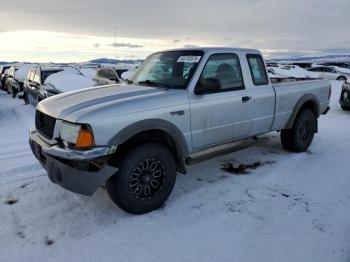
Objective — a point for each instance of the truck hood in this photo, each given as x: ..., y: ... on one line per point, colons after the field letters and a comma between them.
x: 72, y: 106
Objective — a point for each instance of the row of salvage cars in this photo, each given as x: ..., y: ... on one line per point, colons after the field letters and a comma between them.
x: 330, y: 71
x: 34, y: 83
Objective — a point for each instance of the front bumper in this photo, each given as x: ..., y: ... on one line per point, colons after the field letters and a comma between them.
x: 80, y: 172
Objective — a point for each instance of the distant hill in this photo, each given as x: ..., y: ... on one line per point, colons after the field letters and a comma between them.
x: 325, y: 58
x: 114, y: 61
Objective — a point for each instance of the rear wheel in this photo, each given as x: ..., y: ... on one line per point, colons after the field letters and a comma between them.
x: 345, y: 108
x: 145, y: 179
x: 300, y: 136
x: 341, y: 78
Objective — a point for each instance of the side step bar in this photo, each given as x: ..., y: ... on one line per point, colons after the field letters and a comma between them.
x: 219, y: 151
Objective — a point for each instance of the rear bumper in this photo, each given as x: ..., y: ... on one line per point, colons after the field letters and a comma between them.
x: 82, y: 176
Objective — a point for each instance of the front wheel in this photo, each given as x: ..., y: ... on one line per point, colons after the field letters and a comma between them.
x: 341, y: 78
x: 300, y: 136
x: 145, y: 179
x: 14, y: 92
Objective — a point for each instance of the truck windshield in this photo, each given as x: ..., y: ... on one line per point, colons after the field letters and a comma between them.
x: 171, y: 69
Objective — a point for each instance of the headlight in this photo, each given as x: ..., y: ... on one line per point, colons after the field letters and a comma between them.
x: 69, y: 132
x: 76, y: 135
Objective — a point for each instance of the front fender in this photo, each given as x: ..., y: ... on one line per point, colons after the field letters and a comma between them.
x: 173, y: 131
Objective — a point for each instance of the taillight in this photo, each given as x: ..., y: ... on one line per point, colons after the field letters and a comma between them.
x: 330, y: 92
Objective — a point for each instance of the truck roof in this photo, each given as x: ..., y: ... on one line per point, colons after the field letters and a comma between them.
x: 218, y: 49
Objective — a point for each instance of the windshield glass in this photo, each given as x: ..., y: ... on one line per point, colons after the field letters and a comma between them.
x: 172, y: 69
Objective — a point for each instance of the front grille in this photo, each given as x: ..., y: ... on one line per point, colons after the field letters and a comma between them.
x: 45, y: 124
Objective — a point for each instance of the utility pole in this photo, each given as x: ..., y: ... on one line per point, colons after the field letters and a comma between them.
x: 115, y: 45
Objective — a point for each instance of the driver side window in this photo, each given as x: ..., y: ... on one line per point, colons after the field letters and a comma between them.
x: 221, y: 73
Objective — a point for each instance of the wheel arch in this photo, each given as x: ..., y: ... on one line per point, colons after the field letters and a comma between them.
x: 153, y: 130
x: 342, y: 77
x: 308, y: 101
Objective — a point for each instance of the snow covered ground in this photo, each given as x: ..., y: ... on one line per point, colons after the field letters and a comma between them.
x: 295, y: 207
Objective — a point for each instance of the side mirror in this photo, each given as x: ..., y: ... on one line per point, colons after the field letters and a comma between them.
x: 207, y: 86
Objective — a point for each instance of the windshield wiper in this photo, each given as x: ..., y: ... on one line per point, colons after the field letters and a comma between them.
x: 153, y: 84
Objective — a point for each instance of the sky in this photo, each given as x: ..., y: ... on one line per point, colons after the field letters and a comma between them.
x: 81, y: 30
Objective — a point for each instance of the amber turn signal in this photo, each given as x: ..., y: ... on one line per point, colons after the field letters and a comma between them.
x: 85, y: 139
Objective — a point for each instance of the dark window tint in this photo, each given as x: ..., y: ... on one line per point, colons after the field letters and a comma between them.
x: 121, y: 71
x: 46, y: 74
x: 221, y: 73
x: 112, y: 75
x: 328, y: 70
x: 257, y: 70
x: 104, y: 73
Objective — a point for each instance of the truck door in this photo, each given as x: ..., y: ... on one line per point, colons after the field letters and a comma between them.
x: 262, y: 93
x: 220, y: 106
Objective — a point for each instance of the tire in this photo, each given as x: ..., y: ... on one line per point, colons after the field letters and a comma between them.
x: 25, y: 97
x: 14, y: 92
x: 300, y: 136
x: 145, y: 179
x: 341, y: 78
x: 345, y: 108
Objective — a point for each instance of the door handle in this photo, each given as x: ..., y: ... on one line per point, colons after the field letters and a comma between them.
x: 245, y: 99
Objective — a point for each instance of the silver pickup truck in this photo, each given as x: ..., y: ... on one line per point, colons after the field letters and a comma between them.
x: 179, y: 106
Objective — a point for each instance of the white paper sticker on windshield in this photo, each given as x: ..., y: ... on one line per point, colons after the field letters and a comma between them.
x: 189, y: 59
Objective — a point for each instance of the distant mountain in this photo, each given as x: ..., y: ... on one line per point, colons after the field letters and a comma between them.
x: 115, y: 61
x: 4, y: 62
x: 324, y: 58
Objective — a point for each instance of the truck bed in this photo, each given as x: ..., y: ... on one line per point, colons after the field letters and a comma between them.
x: 289, y: 93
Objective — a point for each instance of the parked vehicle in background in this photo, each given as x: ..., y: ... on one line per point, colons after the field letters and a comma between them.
x: 16, y: 83
x: 3, y: 72
x: 330, y: 72
x: 10, y: 78
x: 272, y: 64
x: 288, y: 67
x: 90, y: 70
x: 128, y: 74
x: 304, y: 65
x: 180, y: 107
x: 109, y: 76
x: 292, y: 72
x: 345, y: 96
x: 338, y: 64
x: 43, y: 82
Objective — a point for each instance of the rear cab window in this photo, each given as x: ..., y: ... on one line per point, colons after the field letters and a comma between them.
x: 257, y: 69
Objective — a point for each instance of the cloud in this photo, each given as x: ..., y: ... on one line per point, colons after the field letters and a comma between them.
x: 128, y: 45
x: 263, y: 24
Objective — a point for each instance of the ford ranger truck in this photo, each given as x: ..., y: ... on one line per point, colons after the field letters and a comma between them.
x: 179, y: 105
